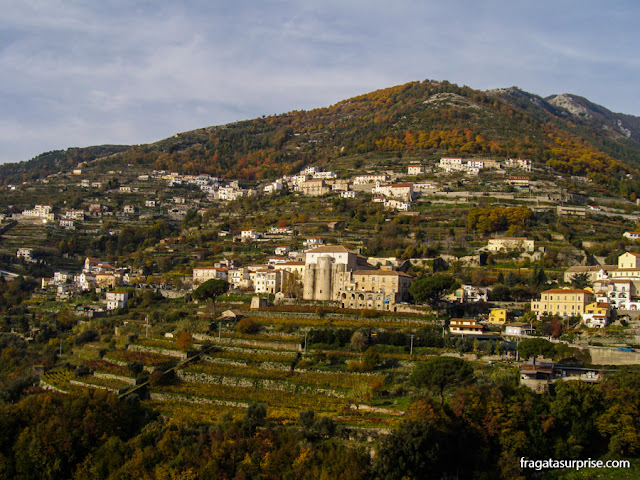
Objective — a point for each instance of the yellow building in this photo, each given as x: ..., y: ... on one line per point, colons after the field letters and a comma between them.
x: 498, y: 315
x: 564, y: 302
x: 596, y: 314
x: 108, y: 280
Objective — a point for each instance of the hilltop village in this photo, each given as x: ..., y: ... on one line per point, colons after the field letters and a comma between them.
x: 204, y: 299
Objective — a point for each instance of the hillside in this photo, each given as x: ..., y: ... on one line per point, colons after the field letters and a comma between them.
x: 55, y: 161
x: 566, y: 132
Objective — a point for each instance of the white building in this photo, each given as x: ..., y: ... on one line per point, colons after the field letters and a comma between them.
x: 506, y: 244
x: 402, y: 191
x: 202, y: 274
x: 68, y: 224
x: 372, y: 178
x: 247, y: 235
x: 25, y: 254
x: 415, y: 170
x: 117, y: 300
x: 521, y: 163
x: 273, y: 187
x: 240, y: 278
x: 465, y: 326
x: 313, y: 242
x: 284, y: 250
x: 42, y: 212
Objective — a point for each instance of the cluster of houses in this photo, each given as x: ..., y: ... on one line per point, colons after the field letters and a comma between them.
x: 475, y: 166
x: 614, y: 290
x: 96, y: 275
x: 323, y: 273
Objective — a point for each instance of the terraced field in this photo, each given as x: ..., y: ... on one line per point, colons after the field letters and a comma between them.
x: 219, y: 374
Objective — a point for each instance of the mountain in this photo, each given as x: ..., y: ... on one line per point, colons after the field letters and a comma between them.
x: 55, y: 161
x: 426, y: 119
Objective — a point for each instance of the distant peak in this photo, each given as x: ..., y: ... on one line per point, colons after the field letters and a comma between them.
x: 570, y: 103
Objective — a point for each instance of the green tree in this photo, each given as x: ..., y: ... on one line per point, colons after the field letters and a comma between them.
x: 431, y: 290
x: 510, y: 280
x: 440, y: 373
x: 581, y: 280
x: 210, y: 290
x: 534, y: 347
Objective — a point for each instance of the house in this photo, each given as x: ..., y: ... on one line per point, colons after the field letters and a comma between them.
x: 231, y: 315
x: 248, y: 235
x: 564, y: 302
x: 629, y: 260
x: 506, y: 244
x: 498, y: 315
x: 108, y: 280
x: 325, y: 175
x: 273, y: 187
x: 462, y: 326
x: 280, y: 231
x: 117, y: 300
x: 26, y: 254
x: 469, y: 294
x: 202, y: 274
x: 397, y: 205
x: 313, y: 242
x: 571, y: 211
x: 149, y: 203
x: 129, y: 209
x: 518, y: 329
x: 373, y: 178
x: 617, y: 293
x: 315, y: 188
x: 519, y: 181
x: 74, y: 215
x: 240, y: 278
x: 595, y: 272
x: 348, y: 194
x: 291, y: 266
x: 520, y: 163
x: 402, y: 191
x: 449, y: 164
x: 596, y: 314
x: 282, y: 250
x: 540, y: 375
x: 379, y: 289
x: 68, y: 224
x: 42, y: 212
x: 631, y: 235
x: 415, y: 170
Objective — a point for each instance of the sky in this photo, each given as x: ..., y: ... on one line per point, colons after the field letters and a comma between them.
x: 80, y: 73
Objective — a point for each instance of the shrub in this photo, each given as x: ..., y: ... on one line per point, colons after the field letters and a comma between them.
x: 86, y: 337
x: 247, y: 325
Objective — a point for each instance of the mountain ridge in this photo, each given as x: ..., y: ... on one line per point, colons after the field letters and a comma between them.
x: 429, y: 118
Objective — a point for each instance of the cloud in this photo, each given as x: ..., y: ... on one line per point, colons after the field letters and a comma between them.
x: 78, y: 73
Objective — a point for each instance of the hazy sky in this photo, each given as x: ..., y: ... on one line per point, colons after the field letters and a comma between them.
x: 85, y: 73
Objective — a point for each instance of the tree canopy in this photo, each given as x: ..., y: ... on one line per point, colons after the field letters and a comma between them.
x: 431, y: 290
x: 440, y: 373
x: 534, y: 347
x: 211, y: 289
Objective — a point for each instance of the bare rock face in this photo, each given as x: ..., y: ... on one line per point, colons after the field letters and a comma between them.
x: 569, y: 103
